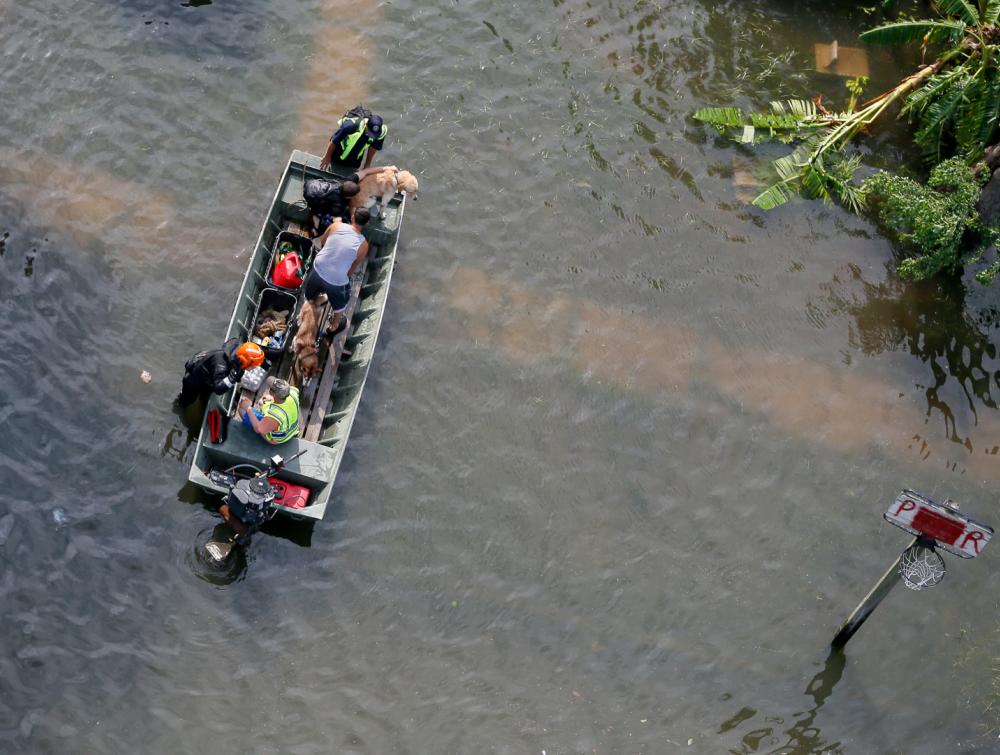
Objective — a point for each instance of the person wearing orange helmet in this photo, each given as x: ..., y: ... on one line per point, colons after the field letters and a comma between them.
x: 218, y: 371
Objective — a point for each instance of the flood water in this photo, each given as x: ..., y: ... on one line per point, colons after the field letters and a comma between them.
x: 619, y: 469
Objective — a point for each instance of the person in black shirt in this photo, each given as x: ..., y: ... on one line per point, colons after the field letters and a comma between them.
x: 217, y: 371
x: 355, y: 141
x: 336, y: 204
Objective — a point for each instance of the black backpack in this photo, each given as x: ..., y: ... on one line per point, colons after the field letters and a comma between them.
x: 321, y: 195
x: 358, y: 111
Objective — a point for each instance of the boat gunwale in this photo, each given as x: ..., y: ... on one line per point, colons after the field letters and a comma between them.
x: 389, y: 260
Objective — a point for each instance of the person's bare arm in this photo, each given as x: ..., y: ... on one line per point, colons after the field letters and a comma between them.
x: 371, y: 156
x: 364, y: 172
x: 260, y: 426
x: 263, y: 426
x: 324, y: 164
x: 360, y: 259
x: 232, y: 520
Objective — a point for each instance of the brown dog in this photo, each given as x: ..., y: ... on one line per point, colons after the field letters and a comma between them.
x: 306, y: 364
x: 384, y: 184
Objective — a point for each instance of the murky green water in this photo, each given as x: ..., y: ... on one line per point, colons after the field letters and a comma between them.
x: 622, y: 458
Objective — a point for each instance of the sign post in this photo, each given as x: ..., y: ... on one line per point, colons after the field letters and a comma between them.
x: 933, y: 524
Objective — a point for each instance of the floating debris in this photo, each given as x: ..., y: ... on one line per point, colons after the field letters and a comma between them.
x: 145, y: 376
x: 851, y: 62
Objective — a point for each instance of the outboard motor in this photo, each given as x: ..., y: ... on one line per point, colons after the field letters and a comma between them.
x: 250, y: 501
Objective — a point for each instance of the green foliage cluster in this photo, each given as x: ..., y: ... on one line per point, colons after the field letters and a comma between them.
x: 931, y: 221
x: 817, y: 165
x: 955, y: 105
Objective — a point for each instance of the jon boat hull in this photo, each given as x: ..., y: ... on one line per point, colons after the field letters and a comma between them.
x: 329, y: 406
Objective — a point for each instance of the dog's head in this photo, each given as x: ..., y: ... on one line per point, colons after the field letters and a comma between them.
x: 310, y: 367
x: 406, y: 183
x: 307, y: 362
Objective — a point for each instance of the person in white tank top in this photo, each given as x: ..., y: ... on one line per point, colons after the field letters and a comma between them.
x: 343, y: 249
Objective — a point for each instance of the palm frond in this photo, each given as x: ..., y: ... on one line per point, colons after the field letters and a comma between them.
x: 853, y: 197
x: 815, y: 181
x: 721, y: 117
x: 798, y: 108
x: 978, y: 119
x: 777, y: 122
x: 991, y: 107
x: 936, y: 117
x: 990, y: 12
x: 790, y: 167
x: 898, y: 32
x: 830, y: 178
x: 773, y: 196
x: 786, y: 121
x: 961, y: 9
x: 935, y: 86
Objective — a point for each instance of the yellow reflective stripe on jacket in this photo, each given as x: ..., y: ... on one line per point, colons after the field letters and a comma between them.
x: 287, y: 415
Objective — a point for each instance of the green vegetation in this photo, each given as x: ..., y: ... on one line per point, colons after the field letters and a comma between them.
x: 954, y: 103
x: 957, y: 106
x: 931, y: 221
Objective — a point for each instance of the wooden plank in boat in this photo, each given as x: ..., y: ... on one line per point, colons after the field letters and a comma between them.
x: 328, y: 381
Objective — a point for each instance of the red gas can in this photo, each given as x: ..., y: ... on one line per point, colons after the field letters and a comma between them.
x: 287, y: 271
x: 290, y: 495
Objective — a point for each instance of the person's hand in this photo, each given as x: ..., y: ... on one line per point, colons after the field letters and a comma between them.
x: 244, y: 405
x: 324, y: 165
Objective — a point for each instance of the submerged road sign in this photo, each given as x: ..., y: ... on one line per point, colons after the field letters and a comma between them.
x: 932, y: 525
x: 950, y: 529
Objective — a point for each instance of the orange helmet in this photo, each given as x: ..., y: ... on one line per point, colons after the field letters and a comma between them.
x: 250, y: 355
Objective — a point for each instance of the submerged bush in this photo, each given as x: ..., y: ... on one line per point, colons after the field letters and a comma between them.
x: 931, y: 221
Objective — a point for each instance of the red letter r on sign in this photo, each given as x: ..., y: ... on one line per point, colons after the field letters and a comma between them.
x: 975, y: 537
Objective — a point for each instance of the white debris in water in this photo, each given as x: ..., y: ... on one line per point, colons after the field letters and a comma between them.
x: 145, y: 376
x: 59, y: 516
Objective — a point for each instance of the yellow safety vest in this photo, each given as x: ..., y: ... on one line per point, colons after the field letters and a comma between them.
x: 352, y: 139
x: 287, y: 415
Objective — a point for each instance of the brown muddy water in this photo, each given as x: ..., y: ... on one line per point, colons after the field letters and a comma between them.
x: 619, y: 470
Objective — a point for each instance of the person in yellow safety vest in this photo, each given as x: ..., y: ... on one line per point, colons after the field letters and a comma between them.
x: 355, y: 141
x: 277, y: 419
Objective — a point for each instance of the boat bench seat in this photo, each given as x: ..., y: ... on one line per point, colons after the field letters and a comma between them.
x: 314, y: 469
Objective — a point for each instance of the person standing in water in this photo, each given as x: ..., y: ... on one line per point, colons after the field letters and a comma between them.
x: 217, y: 371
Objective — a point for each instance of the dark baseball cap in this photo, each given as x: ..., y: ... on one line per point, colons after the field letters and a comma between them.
x: 375, y: 125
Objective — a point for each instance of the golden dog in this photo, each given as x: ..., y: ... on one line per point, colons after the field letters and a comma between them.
x: 383, y: 185
x: 306, y: 364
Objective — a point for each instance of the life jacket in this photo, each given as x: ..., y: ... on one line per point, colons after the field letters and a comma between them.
x: 287, y: 415
x: 357, y: 140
